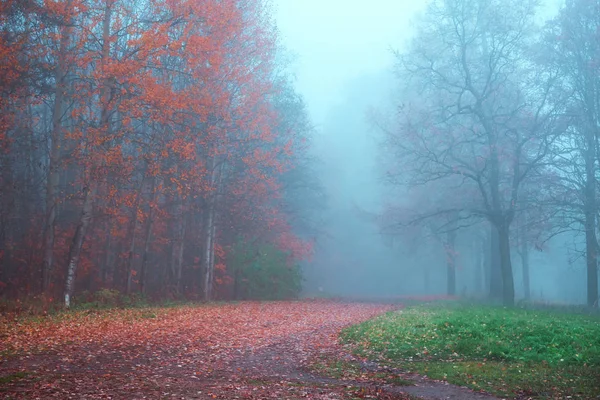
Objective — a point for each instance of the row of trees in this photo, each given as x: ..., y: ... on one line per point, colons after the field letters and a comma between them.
x: 140, y: 139
x: 498, y: 130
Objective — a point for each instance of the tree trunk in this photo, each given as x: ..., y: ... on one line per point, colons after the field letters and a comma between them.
x: 6, y: 225
x: 90, y: 190
x: 131, y: 252
x: 144, y: 267
x: 236, y: 283
x: 496, y: 283
x: 177, y: 250
x: 77, y: 244
x: 147, y: 239
x: 486, y: 245
x: 479, y: 267
x: 210, y: 230
x: 591, y: 258
x: 107, y: 256
x: 591, y: 242
x: 451, y: 263
x: 53, y: 175
x: 208, y: 246
x: 212, y: 254
x: 525, y: 264
x: 508, y: 287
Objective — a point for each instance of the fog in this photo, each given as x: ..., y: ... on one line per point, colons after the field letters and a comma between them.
x: 264, y: 149
x: 345, y: 68
x: 336, y: 41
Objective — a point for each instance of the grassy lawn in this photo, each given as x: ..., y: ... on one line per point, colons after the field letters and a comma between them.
x: 508, y: 352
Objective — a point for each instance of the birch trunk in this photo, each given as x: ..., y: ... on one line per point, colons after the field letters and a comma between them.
x: 77, y: 244
x: 210, y: 231
x: 90, y: 190
x: 53, y: 174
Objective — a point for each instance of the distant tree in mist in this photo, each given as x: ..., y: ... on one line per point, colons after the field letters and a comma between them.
x: 477, y: 118
x: 571, y: 45
x: 428, y: 214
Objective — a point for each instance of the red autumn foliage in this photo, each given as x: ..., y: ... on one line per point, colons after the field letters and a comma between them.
x: 160, y: 140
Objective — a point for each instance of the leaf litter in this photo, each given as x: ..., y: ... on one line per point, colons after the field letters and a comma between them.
x: 248, y: 350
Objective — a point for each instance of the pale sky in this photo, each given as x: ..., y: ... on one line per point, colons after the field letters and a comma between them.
x: 336, y: 40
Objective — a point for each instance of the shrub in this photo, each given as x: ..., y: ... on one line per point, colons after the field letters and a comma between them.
x: 263, y: 272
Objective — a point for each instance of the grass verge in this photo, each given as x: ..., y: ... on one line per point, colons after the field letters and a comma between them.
x: 507, y: 352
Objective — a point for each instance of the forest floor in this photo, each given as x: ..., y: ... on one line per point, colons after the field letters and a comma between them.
x: 517, y: 353
x: 247, y: 350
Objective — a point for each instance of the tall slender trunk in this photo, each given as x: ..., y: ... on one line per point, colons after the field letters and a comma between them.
x: 496, y: 283
x: 147, y: 239
x: 451, y: 263
x: 500, y: 252
x: 144, y: 267
x: 590, y: 207
x: 6, y: 225
x: 107, y: 256
x: 178, y: 246
x: 208, y: 246
x: 77, y: 244
x: 486, y: 243
x: 236, y: 283
x: 210, y: 230
x: 131, y: 251
x: 479, y: 267
x: 91, y: 188
x: 53, y: 174
x: 508, y: 286
x: 525, y: 263
x: 179, y: 255
x: 212, y: 254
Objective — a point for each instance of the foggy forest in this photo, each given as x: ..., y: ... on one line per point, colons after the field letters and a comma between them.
x: 227, y: 173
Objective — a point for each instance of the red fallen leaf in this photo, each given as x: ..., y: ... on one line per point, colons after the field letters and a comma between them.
x: 203, y: 340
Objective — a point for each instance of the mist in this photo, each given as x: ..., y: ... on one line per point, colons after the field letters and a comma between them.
x: 346, y: 68
x: 300, y: 199
x: 288, y: 148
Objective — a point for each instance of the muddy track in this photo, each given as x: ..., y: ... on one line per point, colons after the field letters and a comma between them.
x: 289, y: 359
x: 254, y: 351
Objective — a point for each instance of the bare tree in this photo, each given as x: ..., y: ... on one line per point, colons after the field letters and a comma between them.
x: 479, y: 114
x: 572, y: 45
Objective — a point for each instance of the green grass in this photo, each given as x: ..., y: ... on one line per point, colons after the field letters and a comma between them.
x: 16, y: 376
x: 336, y: 369
x: 508, y: 352
x: 349, y: 370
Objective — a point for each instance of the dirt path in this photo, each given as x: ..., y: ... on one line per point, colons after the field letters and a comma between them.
x: 241, y: 351
x: 290, y: 360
